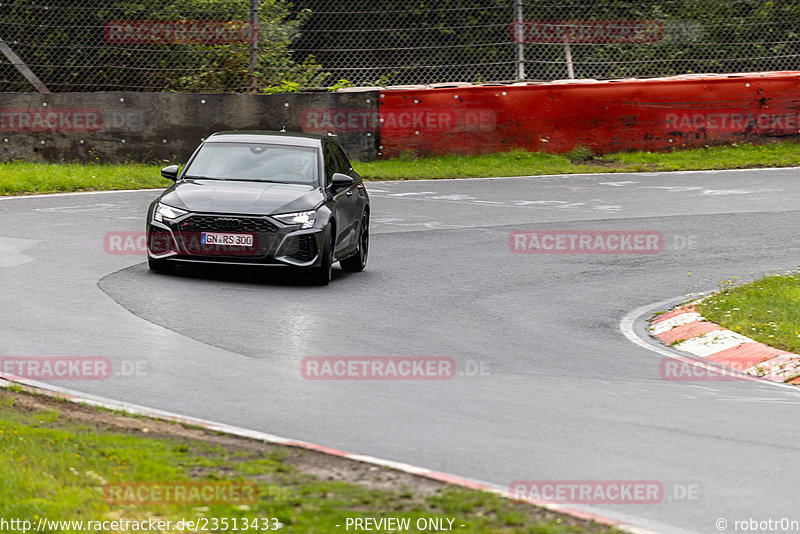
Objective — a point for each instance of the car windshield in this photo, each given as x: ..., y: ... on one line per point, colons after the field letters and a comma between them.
x: 257, y: 162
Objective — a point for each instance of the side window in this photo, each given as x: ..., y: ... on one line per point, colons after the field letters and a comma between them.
x: 331, y: 165
x: 344, y: 163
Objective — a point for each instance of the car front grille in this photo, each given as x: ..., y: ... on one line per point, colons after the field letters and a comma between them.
x: 215, y: 223
x: 193, y: 227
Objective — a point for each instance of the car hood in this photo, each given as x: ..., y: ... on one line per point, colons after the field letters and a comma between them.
x: 243, y: 198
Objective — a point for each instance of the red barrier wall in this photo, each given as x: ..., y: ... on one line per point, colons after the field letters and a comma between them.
x: 608, y: 116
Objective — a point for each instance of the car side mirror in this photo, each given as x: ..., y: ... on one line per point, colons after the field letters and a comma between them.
x: 341, y: 180
x: 171, y: 172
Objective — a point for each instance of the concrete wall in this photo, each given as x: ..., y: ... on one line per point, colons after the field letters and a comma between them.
x: 130, y: 126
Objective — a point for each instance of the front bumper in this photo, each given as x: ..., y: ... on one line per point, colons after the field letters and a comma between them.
x: 273, y: 242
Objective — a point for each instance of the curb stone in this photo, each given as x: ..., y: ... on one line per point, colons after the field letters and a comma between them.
x: 688, y: 331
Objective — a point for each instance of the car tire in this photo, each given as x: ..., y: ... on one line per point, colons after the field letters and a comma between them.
x: 358, y: 261
x: 159, y: 266
x: 322, y: 274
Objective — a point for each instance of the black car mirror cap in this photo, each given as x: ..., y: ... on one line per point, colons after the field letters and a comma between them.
x: 341, y: 180
x: 171, y: 172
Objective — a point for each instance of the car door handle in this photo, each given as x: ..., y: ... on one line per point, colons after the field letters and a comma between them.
x: 349, y: 193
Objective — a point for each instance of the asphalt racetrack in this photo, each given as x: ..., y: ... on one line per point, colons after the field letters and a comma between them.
x: 547, y: 385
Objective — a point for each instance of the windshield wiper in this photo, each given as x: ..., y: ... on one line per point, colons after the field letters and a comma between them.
x: 257, y: 180
x: 253, y: 180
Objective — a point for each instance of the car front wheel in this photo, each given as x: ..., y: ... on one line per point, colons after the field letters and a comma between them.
x: 358, y: 261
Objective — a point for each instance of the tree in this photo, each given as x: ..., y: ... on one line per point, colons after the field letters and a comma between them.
x: 183, y: 45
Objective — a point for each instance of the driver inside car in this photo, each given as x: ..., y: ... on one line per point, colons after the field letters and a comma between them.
x: 303, y: 165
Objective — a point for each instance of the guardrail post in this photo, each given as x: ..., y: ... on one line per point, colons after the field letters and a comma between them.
x: 253, y: 45
x: 520, y: 34
x: 568, y: 56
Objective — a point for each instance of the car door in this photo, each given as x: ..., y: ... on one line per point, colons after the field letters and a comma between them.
x: 341, y: 200
x: 351, y: 198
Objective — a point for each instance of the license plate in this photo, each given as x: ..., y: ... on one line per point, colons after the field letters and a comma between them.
x: 231, y: 240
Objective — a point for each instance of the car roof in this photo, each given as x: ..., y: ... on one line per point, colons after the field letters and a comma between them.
x: 264, y: 136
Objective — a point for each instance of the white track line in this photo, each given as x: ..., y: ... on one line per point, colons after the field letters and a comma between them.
x: 76, y: 193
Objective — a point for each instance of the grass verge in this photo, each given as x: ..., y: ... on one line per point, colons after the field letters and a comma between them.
x: 58, y: 458
x: 27, y: 177
x: 764, y: 310
x: 522, y: 163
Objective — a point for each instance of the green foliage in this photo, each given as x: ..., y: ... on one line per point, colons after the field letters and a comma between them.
x: 386, y: 42
x: 341, y: 84
x: 284, y: 87
x: 451, y: 40
x: 308, y: 74
x: 408, y: 42
x: 227, y: 67
x: 580, y: 154
x: 70, y: 52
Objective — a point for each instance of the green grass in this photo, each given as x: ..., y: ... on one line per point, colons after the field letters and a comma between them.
x: 27, y: 177
x: 766, y: 310
x: 55, y: 467
x: 741, y: 156
x: 513, y: 163
x: 522, y: 163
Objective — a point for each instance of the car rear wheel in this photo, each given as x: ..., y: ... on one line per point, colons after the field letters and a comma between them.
x: 358, y: 261
x: 322, y: 275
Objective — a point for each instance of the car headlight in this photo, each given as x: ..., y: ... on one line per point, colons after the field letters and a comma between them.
x: 167, y: 212
x: 304, y: 218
